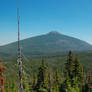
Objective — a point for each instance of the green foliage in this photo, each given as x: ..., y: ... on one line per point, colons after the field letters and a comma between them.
x: 25, y: 83
x: 75, y: 85
x: 78, y: 73
x: 11, y: 86
x: 69, y: 66
x: 42, y: 79
x: 66, y: 87
x: 57, y: 81
x: 34, y: 81
x: 38, y: 79
x: 75, y: 74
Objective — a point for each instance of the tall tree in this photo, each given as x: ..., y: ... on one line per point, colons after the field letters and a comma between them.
x: 50, y: 80
x: 69, y: 66
x: 75, y: 74
x: 57, y: 81
x: 75, y: 85
x: 78, y: 73
x: 78, y: 70
x: 42, y: 79
x: 66, y: 86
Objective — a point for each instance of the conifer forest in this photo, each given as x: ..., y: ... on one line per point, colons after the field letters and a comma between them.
x: 40, y: 76
x: 45, y: 45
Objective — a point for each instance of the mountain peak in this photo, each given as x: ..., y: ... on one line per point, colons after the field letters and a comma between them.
x: 53, y: 42
x: 53, y: 32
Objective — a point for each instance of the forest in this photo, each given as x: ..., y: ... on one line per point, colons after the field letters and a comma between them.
x: 45, y: 45
x: 41, y: 75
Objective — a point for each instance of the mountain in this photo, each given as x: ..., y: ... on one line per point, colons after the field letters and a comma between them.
x: 49, y: 43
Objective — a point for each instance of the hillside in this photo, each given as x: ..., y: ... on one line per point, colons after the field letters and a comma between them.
x: 49, y: 43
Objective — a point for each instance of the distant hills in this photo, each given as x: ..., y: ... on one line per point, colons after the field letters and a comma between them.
x: 48, y: 43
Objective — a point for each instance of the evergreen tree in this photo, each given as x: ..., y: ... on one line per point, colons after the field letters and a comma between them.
x: 74, y: 73
x: 69, y: 66
x: 66, y: 87
x: 78, y: 70
x: 50, y: 81
x: 78, y: 73
x: 42, y: 79
x: 57, y: 81
x: 75, y: 85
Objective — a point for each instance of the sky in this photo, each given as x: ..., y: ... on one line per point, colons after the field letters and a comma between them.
x: 37, y: 17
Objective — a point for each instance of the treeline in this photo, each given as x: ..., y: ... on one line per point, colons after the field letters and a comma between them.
x: 72, y: 79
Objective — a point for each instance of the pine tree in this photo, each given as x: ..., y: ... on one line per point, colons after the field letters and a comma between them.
x: 50, y: 81
x: 78, y: 73
x: 66, y: 87
x: 57, y: 81
x: 75, y: 74
x: 78, y: 70
x: 69, y: 66
x: 42, y: 79
x: 75, y: 85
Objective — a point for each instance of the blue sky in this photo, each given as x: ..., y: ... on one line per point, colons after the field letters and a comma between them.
x: 69, y: 17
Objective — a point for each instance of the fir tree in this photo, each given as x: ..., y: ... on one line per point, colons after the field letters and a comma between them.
x: 78, y: 70
x: 74, y: 73
x: 50, y: 81
x: 75, y: 85
x: 78, y: 73
x: 42, y: 79
x: 57, y: 81
x: 66, y: 87
x: 69, y: 66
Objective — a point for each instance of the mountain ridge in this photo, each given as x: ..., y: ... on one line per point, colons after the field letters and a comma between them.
x: 50, y: 42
